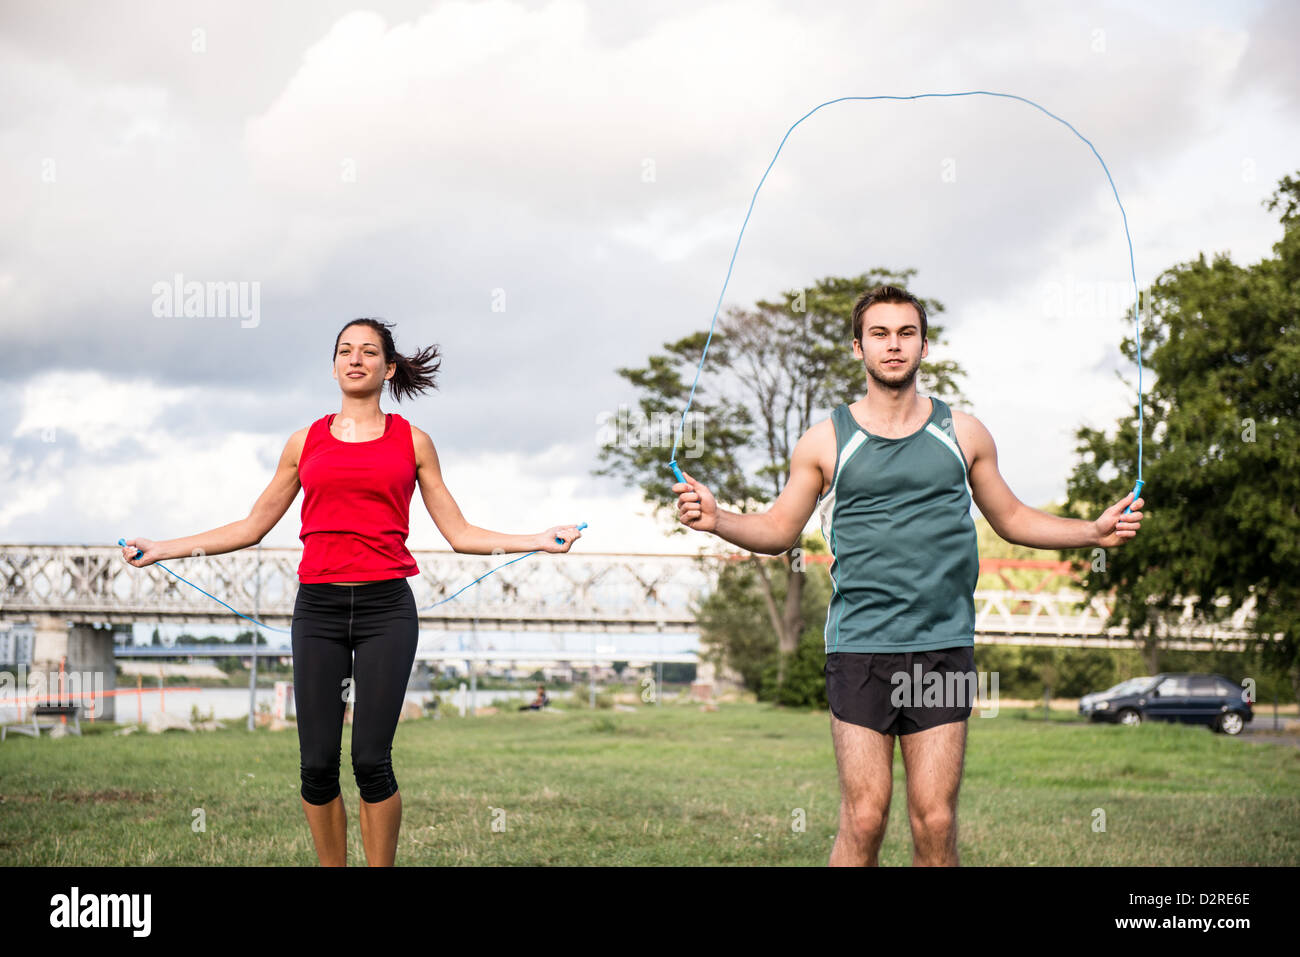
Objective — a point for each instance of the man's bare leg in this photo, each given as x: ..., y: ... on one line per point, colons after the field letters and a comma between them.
x: 865, y: 760
x: 934, y: 760
x: 329, y: 829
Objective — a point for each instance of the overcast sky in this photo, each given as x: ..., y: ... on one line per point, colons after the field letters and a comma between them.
x: 593, y: 161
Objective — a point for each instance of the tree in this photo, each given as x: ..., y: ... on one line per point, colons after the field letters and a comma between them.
x: 248, y: 637
x: 1221, y: 454
x: 769, y: 374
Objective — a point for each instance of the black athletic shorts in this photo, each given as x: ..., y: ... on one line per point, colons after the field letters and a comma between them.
x: 891, y: 692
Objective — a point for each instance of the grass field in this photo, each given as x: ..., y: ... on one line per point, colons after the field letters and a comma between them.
x: 668, y: 785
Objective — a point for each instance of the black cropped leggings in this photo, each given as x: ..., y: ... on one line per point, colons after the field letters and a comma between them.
x: 351, y: 642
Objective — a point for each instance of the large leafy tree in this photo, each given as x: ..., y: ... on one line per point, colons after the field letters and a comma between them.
x: 1221, y: 452
x: 771, y: 372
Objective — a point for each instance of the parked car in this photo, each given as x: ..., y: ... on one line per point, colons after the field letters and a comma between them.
x: 1184, y: 698
x: 1088, y: 703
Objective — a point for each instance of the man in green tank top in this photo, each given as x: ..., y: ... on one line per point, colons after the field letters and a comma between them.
x: 892, y: 477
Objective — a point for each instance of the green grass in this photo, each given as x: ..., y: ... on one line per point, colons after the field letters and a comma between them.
x: 668, y: 785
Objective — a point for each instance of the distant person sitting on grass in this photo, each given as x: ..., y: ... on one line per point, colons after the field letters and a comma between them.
x: 540, y: 702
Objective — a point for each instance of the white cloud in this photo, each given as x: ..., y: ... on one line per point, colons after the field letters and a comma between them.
x: 97, y: 411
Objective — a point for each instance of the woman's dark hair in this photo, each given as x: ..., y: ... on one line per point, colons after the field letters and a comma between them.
x: 414, y: 373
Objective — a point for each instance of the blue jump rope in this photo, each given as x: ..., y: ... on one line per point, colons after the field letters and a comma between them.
x: 139, y: 552
x: 1137, y: 488
x: 677, y: 472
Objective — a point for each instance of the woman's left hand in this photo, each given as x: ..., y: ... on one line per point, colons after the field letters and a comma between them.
x: 569, y: 533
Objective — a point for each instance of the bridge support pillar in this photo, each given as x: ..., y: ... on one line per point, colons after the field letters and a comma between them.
x: 89, y: 669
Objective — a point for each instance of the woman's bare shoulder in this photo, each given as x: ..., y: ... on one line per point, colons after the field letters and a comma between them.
x: 293, y: 448
x: 425, y: 453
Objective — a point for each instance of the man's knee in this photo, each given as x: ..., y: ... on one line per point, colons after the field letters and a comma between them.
x: 934, y: 819
x: 865, y: 820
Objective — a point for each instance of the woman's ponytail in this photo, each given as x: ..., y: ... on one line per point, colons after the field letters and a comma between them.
x: 415, y: 373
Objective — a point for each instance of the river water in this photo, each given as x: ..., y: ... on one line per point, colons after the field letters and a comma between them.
x: 233, y: 702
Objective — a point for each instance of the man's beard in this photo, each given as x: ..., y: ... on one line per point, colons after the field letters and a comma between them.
x: 899, y: 383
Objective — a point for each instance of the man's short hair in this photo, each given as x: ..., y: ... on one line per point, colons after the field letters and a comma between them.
x: 886, y: 294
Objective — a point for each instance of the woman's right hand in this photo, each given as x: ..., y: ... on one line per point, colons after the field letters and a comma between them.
x: 134, y: 545
x: 696, y: 507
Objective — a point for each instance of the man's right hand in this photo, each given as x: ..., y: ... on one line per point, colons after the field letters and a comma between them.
x: 696, y: 507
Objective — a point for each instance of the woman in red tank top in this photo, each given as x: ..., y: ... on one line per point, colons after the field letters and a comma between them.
x: 355, y: 622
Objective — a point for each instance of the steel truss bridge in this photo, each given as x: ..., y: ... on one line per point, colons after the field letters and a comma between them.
x: 598, y: 593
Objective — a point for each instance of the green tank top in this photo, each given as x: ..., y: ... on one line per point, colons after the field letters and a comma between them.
x: 902, y: 540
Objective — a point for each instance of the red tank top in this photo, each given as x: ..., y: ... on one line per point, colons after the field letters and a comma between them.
x: 356, y: 504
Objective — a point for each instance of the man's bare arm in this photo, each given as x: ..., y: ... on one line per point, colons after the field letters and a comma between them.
x: 1012, y: 519
x: 1020, y: 524
x: 767, y: 533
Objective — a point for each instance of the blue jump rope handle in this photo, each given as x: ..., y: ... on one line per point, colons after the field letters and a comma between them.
x: 1137, y: 491
x: 560, y: 541
x: 678, y: 472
